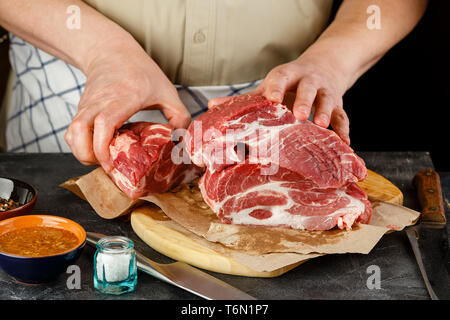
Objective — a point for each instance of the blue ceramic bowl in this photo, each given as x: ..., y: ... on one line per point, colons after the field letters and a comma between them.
x: 36, y: 270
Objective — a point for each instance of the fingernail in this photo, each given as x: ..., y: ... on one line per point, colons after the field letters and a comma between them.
x: 276, y: 95
x: 300, y: 113
x: 108, y: 167
x: 323, y: 120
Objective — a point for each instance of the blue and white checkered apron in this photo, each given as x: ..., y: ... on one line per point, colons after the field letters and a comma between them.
x: 47, y: 90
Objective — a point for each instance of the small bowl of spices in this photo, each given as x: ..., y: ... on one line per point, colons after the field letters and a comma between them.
x: 16, y: 198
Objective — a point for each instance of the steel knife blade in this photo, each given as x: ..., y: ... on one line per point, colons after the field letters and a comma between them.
x: 184, y: 276
x: 429, y: 238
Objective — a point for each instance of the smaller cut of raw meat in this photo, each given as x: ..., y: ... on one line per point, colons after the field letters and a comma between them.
x: 141, y: 155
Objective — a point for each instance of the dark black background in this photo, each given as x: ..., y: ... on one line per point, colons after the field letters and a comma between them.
x: 402, y: 102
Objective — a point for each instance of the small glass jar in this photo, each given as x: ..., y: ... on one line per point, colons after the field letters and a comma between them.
x: 115, y: 270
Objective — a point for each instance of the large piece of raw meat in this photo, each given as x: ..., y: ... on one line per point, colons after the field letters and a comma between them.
x: 263, y: 167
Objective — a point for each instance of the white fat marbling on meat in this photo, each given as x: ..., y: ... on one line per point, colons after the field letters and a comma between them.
x: 280, y: 215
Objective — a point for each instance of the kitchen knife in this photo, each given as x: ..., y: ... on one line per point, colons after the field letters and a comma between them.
x: 183, y: 276
x: 429, y: 238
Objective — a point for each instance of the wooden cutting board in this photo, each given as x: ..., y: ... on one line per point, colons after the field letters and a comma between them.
x: 146, y: 222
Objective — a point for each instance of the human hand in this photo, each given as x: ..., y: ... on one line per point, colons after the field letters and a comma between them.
x: 315, y: 83
x: 119, y: 84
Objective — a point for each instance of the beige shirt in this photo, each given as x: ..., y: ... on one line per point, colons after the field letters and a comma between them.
x: 216, y: 42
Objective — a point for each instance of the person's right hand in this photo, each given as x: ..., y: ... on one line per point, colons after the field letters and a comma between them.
x: 118, y: 85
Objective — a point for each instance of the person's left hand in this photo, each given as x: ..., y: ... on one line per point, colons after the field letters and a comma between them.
x: 315, y: 83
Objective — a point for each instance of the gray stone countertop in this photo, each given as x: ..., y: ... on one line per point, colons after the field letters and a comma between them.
x: 329, y: 277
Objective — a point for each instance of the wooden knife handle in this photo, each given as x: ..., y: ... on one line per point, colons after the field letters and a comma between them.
x: 429, y: 192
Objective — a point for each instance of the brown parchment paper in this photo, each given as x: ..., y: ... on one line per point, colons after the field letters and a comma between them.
x: 261, y: 263
x: 252, y: 246
x: 102, y: 194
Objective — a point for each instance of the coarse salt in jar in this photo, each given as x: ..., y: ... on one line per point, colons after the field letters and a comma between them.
x: 115, y: 270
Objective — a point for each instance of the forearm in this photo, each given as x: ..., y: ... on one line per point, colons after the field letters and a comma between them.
x: 43, y: 24
x: 352, y: 48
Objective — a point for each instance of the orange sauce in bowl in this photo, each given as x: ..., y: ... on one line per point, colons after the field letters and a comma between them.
x: 37, y: 241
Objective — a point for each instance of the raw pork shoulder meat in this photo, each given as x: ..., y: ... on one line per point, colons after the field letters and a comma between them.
x: 316, y: 153
x: 312, y: 187
x: 141, y: 156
